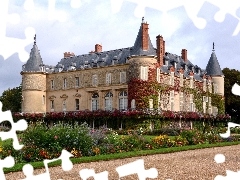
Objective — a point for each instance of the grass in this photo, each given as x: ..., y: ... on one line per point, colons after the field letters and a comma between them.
x: 37, y: 165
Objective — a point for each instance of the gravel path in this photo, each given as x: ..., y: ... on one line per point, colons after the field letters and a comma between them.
x: 194, y: 164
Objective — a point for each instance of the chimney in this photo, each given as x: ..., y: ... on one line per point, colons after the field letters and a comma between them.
x: 160, y: 49
x: 98, y: 48
x: 144, y: 36
x: 68, y: 54
x: 184, y: 54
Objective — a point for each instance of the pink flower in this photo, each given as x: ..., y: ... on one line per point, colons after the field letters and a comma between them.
x: 55, y: 137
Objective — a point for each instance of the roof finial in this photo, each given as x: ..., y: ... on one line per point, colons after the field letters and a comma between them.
x: 142, y: 19
x: 35, y: 39
x: 213, y: 46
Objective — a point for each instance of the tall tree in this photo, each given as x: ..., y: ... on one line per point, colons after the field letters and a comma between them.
x: 232, y: 102
x: 11, y: 99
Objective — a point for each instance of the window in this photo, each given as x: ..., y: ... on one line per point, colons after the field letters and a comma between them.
x: 215, y: 88
x: 181, y: 101
x: 52, y: 84
x: 108, y: 78
x: 64, y: 83
x: 43, y: 99
x: 172, y: 100
x: 94, y: 80
x: 166, y: 62
x: 181, y: 79
x: 108, y: 101
x: 191, y: 81
x: 77, y: 81
x: 51, y: 104
x: 204, y: 85
x: 209, y: 105
x: 64, y: 105
x: 133, y: 104
x: 77, y: 104
x: 150, y: 103
x: 122, y: 77
x: 172, y: 79
x: 192, y: 105
x: 95, y: 101
x: 158, y: 75
x: 123, y: 101
x: 144, y: 73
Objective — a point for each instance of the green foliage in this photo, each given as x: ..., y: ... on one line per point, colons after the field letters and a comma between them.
x: 12, y: 99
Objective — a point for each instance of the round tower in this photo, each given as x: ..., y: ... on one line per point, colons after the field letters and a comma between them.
x: 213, y: 69
x: 34, y: 83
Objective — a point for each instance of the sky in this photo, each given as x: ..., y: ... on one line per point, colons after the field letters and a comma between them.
x: 77, y: 25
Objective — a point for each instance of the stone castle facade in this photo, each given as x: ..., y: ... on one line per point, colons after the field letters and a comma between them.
x: 101, y: 79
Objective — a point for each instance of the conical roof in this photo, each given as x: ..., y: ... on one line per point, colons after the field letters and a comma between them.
x: 35, y: 59
x: 213, y: 67
x: 137, y: 48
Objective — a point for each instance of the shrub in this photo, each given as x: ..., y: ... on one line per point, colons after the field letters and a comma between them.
x: 163, y: 141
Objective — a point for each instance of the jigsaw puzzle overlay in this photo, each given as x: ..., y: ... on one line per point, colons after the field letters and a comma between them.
x: 11, y: 45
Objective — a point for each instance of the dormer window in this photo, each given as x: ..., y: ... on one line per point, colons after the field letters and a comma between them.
x: 175, y: 65
x: 186, y: 68
x: 166, y: 62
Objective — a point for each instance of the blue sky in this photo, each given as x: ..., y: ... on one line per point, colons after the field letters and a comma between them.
x: 80, y: 24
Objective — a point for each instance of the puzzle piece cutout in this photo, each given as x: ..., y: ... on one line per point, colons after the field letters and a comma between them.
x: 66, y: 166
x: 11, y: 45
x: 7, y: 162
x: 21, y: 125
x: 87, y: 173
x: 192, y: 8
x: 137, y: 167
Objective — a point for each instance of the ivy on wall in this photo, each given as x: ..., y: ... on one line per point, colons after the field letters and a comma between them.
x: 144, y: 90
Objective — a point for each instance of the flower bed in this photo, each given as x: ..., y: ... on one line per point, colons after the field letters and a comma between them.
x: 41, y: 142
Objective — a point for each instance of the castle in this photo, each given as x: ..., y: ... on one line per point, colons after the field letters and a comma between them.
x: 105, y: 80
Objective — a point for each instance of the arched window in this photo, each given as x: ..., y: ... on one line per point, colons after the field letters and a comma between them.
x: 123, y: 100
x: 108, y: 101
x: 95, y: 101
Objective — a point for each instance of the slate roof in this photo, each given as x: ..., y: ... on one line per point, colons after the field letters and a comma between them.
x: 213, y: 67
x: 119, y: 56
x: 34, y: 62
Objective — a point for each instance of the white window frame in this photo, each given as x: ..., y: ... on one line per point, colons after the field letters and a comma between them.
x: 181, y: 101
x: 123, y: 77
x: 144, y: 73
x: 108, y: 101
x: 192, y: 105
x: 94, y: 80
x: 150, y: 103
x: 171, y: 100
x: 133, y: 104
x: 109, y: 78
x: 95, y: 102
x: 123, y: 100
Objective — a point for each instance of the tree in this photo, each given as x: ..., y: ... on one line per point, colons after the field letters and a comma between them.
x: 232, y: 102
x: 11, y: 99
